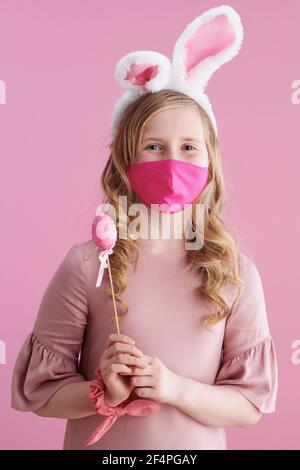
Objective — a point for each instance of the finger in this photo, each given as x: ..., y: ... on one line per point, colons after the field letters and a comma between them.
x: 116, y: 369
x: 148, y: 370
x: 144, y: 381
x: 116, y: 348
x: 118, y: 337
x: 148, y: 358
x: 128, y: 359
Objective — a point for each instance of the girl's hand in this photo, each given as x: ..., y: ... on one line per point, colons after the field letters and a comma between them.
x: 155, y: 382
x: 119, y: 356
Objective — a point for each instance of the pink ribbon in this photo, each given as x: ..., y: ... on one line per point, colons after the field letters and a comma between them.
x: 139, y: 407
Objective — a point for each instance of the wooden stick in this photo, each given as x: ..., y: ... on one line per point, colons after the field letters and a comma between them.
x: 113, y: 293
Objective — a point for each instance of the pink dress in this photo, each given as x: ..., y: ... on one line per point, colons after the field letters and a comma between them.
x: 164, y: 317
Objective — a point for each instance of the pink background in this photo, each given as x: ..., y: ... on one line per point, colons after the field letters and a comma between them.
x: 57, y: 58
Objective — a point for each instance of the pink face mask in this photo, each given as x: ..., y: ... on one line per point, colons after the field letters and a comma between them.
x: 167, y: 182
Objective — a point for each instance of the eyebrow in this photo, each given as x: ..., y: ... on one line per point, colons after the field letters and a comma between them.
x: 190, y: 139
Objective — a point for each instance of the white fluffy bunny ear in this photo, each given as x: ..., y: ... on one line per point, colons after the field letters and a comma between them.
x: 209, y: 41
x: 143, y: 71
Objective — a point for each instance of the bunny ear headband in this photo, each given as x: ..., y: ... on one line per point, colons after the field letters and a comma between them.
x: 209, y: 41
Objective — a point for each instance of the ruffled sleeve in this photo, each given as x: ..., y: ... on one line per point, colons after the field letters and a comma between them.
x: 249, y: 361
x: 48, y: 358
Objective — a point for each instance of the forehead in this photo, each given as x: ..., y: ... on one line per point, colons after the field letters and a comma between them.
x: 181, y: 120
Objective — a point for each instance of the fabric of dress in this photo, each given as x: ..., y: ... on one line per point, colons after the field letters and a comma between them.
x: 165, y: 318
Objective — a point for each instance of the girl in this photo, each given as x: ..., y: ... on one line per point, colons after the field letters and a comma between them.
x: 195, y: 334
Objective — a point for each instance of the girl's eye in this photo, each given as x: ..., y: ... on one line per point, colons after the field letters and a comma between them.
x: 152, y: 145
x: 190, y: 146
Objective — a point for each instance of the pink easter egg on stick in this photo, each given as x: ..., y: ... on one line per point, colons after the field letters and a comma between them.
x: 104, y: 232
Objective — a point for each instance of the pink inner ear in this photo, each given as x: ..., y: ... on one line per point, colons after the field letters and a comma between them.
x: 210, y: 39
x: 139, y: 74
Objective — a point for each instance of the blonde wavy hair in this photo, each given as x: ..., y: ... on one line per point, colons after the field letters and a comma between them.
x: 217, y: 260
